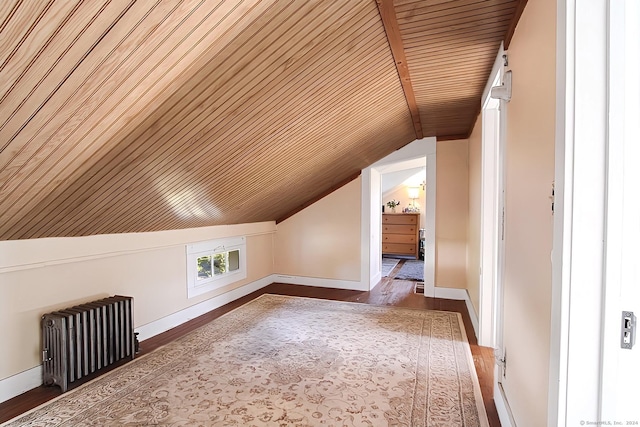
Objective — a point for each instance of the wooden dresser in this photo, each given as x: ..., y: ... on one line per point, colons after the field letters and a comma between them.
x: 400, y: 233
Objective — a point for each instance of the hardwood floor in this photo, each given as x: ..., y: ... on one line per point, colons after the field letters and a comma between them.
x: 399, y: 293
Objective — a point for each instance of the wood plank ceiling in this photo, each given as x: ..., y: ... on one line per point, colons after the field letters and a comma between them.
x: 128, y: 116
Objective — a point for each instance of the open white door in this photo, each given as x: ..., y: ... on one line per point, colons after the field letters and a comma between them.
x: 593, y: 379
x: 492, y: 212
x: 621, y: 359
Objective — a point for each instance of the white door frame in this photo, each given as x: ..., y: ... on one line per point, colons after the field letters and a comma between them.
x: 492, y: 203
x: 371, y: 217
x: 578, y: 238
x: 621, y: 367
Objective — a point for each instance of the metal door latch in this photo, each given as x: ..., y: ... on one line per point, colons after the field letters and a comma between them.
x: 628, y: 337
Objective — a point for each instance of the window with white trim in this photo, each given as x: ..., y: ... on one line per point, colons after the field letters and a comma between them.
x: 214, y: 264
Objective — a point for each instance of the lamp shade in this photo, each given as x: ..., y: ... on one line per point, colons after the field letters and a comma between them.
x: 414, y: 192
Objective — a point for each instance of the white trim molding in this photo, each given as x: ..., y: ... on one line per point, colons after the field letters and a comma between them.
x: 20, y: 383
x: 580, y: 203
x: 210, y: 249
x: 492, y: 182
x: 502, y: 406
x: 178, y: 318
x: 320, y: 282
x: 371, y: 219
x: 24, y: 381
x: 18, y: 255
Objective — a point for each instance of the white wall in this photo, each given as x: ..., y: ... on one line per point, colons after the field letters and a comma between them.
x: 41, y: 275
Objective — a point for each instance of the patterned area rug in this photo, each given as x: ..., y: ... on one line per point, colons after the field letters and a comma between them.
x: 388, y: 264
x: 287, y: 361
x: 411, y: 270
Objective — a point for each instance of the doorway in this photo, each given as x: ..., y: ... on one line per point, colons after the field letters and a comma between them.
x: 423, y: 154
x: 403, y: 193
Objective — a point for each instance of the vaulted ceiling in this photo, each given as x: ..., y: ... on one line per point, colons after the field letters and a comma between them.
x: 129, y: 116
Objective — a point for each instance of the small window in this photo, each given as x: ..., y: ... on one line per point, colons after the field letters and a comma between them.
x: 214, y: 264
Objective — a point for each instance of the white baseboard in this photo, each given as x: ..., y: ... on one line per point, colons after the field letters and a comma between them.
x: 458, y: 294
x: 17, y: 384
x: 171, y: 321
x: 472, y: 314
x: 504, y: 411
x: 375, y: 280
x: 32, y: 378
x: 319, y: 282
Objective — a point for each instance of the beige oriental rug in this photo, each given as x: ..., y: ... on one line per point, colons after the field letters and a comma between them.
x: 287, y: 361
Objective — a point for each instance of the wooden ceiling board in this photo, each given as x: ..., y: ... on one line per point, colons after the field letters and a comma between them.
x: 27, y: 84
x: 126, y: 116
x: 457, y: 59
x: 7, y: 11
x: 299, y: 168
x: 19, y: 167
x: 450, y: 48
x: 77, y: 96
x: 445, y: 28
x: 454, y: 36
x: 443, y: 24
x: 455, y: 39
x: 99, y: 133
x: 263, y: 182
x: 431, y: 63
x: 344, y: 161
x: 402, y: 4
x: 446, y: 10
x: 360, y: 66
x: 227, y: 126
x: 102, y: 122
x: 242, y: 136
x: 455, y: 11
x: 305, y: 167
x: 18, y: 25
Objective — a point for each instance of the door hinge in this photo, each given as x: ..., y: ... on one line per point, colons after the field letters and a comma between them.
x: 553, y: 197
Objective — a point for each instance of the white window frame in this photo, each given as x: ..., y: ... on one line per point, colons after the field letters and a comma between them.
x: 197, y: 287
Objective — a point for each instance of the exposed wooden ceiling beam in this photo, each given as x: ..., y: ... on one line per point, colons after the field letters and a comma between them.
x: 514, y: 22
x: 390, y: 22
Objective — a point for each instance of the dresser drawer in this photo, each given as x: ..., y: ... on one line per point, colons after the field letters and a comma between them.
x: 399, y: 229
x: 399, y: 238
x: 399, y: 248
x: 399, y: 219
x: 400, y: 234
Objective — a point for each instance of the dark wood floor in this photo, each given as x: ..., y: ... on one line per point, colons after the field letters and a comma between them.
x: 399, y: 293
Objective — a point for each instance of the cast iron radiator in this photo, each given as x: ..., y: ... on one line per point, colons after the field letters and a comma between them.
x: 83, y: 339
